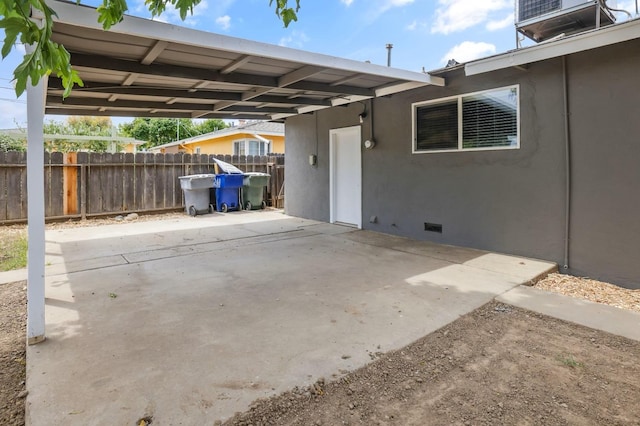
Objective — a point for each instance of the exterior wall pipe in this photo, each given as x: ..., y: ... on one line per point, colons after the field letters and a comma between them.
x: 371, y: 119
x: 567, y: 141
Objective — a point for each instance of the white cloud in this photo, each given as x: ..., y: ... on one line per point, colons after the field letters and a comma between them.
x: 137, y: 6
x: 458, y: 15
x: 416, y: 25
x: 389, y: 4
x: 629, y: 6
x: 379, y: 7
x: 346, y: 2
x: 171, y: 15
x: 224, y: 22
x: 296, y: 39
x: 503, y: 23
x: 468, y: 51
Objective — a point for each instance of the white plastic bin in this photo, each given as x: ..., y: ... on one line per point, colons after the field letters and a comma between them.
x: 196, y: 188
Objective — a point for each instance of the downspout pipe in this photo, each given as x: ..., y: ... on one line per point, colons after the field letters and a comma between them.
x: 567, y: 144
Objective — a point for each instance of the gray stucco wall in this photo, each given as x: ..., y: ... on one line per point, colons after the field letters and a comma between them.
x: 307, y: 187
x: 510, y: 201
x: 605, y: 133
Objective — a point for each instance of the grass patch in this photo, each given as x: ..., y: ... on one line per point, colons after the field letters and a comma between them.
x: 569, y: 361
x: 13, y: 251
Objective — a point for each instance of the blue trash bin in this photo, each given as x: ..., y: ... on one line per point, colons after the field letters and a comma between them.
x: 228, y: 191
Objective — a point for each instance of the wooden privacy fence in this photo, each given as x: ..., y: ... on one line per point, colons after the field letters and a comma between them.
x: 78, y: 185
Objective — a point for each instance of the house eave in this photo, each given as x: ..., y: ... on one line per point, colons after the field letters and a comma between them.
x: 146, y: 68
x: 553, y: 49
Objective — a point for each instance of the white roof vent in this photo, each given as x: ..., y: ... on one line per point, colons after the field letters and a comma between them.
x: 542, y: 20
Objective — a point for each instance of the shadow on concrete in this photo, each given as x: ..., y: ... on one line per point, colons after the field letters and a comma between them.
x: 191, y: 320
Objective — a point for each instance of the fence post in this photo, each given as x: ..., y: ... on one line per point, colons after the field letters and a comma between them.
x: 83, y: 191
x: 70, y: 185
x: 82, y: 159
x: 86, y: 184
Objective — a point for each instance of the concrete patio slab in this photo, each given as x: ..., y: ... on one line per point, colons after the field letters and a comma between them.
x: 190, y: 320
x: 13, y: 276
x: 594, y: 315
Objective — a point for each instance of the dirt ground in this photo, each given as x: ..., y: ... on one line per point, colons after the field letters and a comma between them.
x: 13, y: 317
x: 496, y: 365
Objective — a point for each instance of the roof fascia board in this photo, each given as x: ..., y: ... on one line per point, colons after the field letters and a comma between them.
x: 574, y: 44
x: 222, y: 134
x: 301, y: 110
x: 85, y: 16
x: 395, y: 88
x: 166, y: 145
x: 283, y: 116
x: 260, y: 138
x: 351, y: 99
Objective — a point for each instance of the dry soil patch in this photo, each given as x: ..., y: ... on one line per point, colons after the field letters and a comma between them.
x: 13, y: 317
x: 496, y: 365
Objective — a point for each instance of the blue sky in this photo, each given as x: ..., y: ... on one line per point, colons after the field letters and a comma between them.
x: 424, y: 33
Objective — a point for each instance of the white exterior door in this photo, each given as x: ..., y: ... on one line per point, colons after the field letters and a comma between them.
x: 345, y: 176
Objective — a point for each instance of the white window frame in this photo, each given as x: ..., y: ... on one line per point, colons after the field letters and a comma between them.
x: 246, y: 141
x: 459, y: 98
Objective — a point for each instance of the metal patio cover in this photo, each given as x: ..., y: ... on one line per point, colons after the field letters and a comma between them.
x: 144, y: 68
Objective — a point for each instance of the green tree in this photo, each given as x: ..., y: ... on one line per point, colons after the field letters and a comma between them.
x: 138, y: 128
x: 79, y: 126
x: 48, y: 57
x: 158, y: 131
x: 92, y: 126
x: 209, y: 126
x: 10, y: 143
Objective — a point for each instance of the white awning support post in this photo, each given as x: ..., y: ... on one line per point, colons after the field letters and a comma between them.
x: 35, y: 211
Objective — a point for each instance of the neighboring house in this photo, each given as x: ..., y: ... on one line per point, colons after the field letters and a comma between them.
x: 534, y: 152
x: 254, y: 138
x: 131, y: 147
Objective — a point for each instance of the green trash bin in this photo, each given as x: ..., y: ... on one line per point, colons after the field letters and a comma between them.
x: 253, y: 186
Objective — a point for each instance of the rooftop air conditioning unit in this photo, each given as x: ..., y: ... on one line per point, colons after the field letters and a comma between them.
x: 544, y: 19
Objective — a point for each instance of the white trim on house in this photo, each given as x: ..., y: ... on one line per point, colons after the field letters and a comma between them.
x: 246, y: 144
x: 260, y: 138
x: 458, y: 99
x: 355, y: 181
x: 577, y: 43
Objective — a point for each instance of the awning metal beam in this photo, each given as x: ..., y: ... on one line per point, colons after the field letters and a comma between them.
x: 81, y: 60
x: 56, y: 88
x: 142, y: 67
